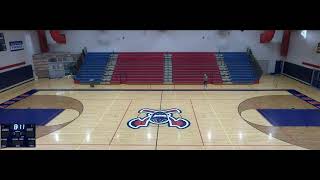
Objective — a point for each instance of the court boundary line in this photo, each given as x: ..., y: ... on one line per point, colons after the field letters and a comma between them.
x: 169, y: 145
x: 187, y: 90
x: 156, y: 99
x: 158, y: 128
x: 220, y: 123
x: 120, y: 123
x: 103, y: 114
x: 16, y: 85
x: 195, y: 116
x: 163, y: 89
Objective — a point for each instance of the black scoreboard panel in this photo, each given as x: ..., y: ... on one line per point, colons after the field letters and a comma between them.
x: 18, y: 135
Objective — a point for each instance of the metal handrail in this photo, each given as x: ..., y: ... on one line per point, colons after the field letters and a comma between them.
x: 80, y: 60
x: 255, y: 63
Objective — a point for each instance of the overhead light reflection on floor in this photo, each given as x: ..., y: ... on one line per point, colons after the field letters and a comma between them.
x: 209, y: 135
x: 240, y: 135
x: 88, y: 137
x: 56, y: 136
x: 60, y: 93
x: 270, y: 136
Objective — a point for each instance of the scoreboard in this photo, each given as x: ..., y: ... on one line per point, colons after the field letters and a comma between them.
x: 18, y: 135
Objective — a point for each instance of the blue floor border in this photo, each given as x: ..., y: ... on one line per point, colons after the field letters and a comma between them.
x: 17, y: 99
x: 305, y: 98
x: 34, y: 116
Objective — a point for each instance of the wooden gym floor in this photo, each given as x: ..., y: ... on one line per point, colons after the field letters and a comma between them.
x: 100, y: 122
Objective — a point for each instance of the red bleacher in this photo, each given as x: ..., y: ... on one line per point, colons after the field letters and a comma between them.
x: 137, y: 67
x: 189, y: 67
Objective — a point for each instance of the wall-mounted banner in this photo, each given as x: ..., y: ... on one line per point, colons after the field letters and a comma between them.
x: 2, y: 43
x: 16, y: 45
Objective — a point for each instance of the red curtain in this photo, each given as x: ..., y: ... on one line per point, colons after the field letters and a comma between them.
x: 58, y: 37
x: 285, y: 43
x: 267, y: 36
x: 43, y: 41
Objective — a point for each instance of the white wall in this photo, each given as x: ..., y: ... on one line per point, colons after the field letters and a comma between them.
x: 300, y: 49
x: 304, y: 50
x: 31, y: 46
x: 171, y: 40
x: 8, y: 57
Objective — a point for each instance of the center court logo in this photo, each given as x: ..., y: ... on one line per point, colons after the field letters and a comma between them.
x: 159, y: 117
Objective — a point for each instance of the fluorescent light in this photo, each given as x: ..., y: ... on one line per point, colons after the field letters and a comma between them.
x: 304, y: 33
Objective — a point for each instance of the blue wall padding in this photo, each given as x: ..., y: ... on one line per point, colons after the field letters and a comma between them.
x: 292, y: 117
x: 12, y: 77
x: 299, y: 72
x: 28, y: 116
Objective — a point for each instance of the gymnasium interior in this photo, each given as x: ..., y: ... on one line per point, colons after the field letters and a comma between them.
x: 160, y: 89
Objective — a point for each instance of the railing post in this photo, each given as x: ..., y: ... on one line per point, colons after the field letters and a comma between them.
x: 255, y: 63
x: 312, y: 76
x: 282, y: 67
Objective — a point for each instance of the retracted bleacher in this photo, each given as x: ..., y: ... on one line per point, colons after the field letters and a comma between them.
x: 240, y: 68
x: 190, y: 67
x: 139, y: 68
x: 187, y: 68
x: 93, y: 68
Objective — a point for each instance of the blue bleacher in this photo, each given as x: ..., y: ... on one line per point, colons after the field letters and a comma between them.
x: 93, y: 67
x: 241, y: 70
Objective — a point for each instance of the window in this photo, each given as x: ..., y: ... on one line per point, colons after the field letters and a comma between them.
x: 304, y: 34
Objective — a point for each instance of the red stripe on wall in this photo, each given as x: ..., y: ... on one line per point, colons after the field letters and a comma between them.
x: 12, y: 65
x: 312, y: 65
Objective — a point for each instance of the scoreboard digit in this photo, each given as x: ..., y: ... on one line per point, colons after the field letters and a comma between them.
x: 18, y: 135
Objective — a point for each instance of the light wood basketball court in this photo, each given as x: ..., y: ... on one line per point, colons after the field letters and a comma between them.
x: 215, y: 120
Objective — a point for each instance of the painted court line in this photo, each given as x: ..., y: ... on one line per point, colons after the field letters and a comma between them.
x: 162, y: 89
x: 107, y: 109
x: 168, y: 145
x: 158, y: 124
x: 195, y: 116
x: 215, y: 114
x: 120, y: 123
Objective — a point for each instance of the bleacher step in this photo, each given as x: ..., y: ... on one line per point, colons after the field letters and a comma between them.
x: 110, y: 67
x: 224, y: 72
x: 94, y: 67
x: 167, y: 66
